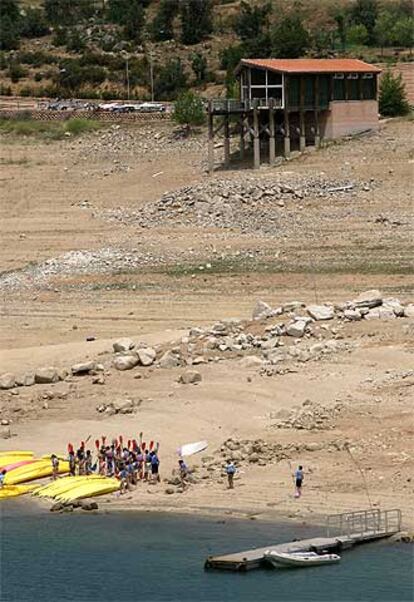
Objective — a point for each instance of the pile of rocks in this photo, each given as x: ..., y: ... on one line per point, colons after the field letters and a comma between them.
x: 260, y: 452
x: 310, y: 417
x: 247, y: 203
x: 147, y: 142
x: 39, y: 376
x: 128, y: 354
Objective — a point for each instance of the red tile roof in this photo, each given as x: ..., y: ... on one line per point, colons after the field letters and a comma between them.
x: 312, y: 65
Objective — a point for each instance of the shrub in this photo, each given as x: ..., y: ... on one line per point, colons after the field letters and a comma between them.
x: 34, y: 23
x: 9, y: 24
x: 5, y: 90
x: 162, y: 25
x: 199, y: 66
x: 189, y: 110
x: 357, y: 35
x: 16, y: 72
x: 170, y: 80
x: 196, y: 20
x: 60, y: 37
x: 392, y: 97
x: 289, y: 38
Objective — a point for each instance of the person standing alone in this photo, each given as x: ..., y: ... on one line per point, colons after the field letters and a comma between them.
x: 230, y: 471
x: 298, y: 476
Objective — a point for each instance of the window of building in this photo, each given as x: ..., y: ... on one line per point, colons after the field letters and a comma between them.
x: 368, y: 86
x: 265, y: 84
x: 258, y: 77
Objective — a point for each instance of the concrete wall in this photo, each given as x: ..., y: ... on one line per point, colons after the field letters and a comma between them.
x: 350, y: 117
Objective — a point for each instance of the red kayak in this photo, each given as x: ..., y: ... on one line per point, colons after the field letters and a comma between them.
x: 9, y: 467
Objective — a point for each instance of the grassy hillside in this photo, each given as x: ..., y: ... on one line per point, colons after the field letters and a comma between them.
x: 95, y: 48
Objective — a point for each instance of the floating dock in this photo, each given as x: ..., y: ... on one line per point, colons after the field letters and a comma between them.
x: 353, y: 528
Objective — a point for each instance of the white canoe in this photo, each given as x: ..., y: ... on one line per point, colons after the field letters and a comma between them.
x: 192, y: 448
x: 299, y: 559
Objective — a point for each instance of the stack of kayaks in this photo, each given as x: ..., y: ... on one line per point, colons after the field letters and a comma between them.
x: 70, y: 489
x: 33, y: 469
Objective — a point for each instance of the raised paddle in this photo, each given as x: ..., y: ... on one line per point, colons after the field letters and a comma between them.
x: 151, y: 445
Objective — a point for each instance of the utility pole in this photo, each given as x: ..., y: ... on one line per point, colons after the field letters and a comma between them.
x: 151, y: 76
x: 127, y: 75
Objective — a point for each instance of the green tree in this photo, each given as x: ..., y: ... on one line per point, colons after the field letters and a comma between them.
x: 357, y: 35
x: 403, y: 32
x: 341, y: 28
x: 9, y: 24
x: 68, y: 12
x: 252, y: 20
x: 199, y: 66
x: 384, y: 30
x: 189, y: 110
x: 392, y: 97
x: 365, y: 12
x: 290, y: 39
x: 170, y: 80
x: 196, y: 20
x: 34, y: 23
x: 130, y: 14
x: 162, y: 25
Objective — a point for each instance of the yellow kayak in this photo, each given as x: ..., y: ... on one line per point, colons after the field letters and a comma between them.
x: 36, y: 470
x: 13, y: 459
x: 90, y: 490
x: 14, y: 490
x: 16, y: 453
x: 65, y: 484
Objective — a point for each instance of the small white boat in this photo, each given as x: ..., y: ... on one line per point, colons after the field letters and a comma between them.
x: 299, y: 559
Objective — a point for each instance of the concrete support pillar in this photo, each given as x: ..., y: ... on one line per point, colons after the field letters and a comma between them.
x: 302, y: 140
x: 287, y: 135
x: 210, y: 139
x: 317, y: 130
x: 242, y: 148
x: 256, y: 141
x: 226, y: 141
x: 287, y: 147
x: 272, y: 147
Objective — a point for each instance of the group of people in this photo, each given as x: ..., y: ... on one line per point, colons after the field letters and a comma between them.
x: 135, y: 462
x: 130, y: 463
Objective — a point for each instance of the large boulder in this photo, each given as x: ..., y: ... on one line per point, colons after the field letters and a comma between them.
x: 190, y: 377
x: 370, y: 299
x: 47, y: 375
x: 394, y: 305
x: 320, y: 312
x: 7, y: 381
x: 352, y: 315
x: 169, y: 360
x: 261, y: 310
x: 125, y: 362
x: 25, y: 380
x: 124, y: 344
x: 409, y: 310
x: 381, y: 313
x: 146, y: 356
x: 296, y: 329
x: 83, y: 368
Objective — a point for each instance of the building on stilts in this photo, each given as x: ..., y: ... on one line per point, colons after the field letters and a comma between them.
x: 288, y: 104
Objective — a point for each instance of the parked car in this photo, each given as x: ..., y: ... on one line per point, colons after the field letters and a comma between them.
x: 151, y: 107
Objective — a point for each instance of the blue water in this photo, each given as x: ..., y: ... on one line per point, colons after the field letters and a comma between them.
x: 132, y: 557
